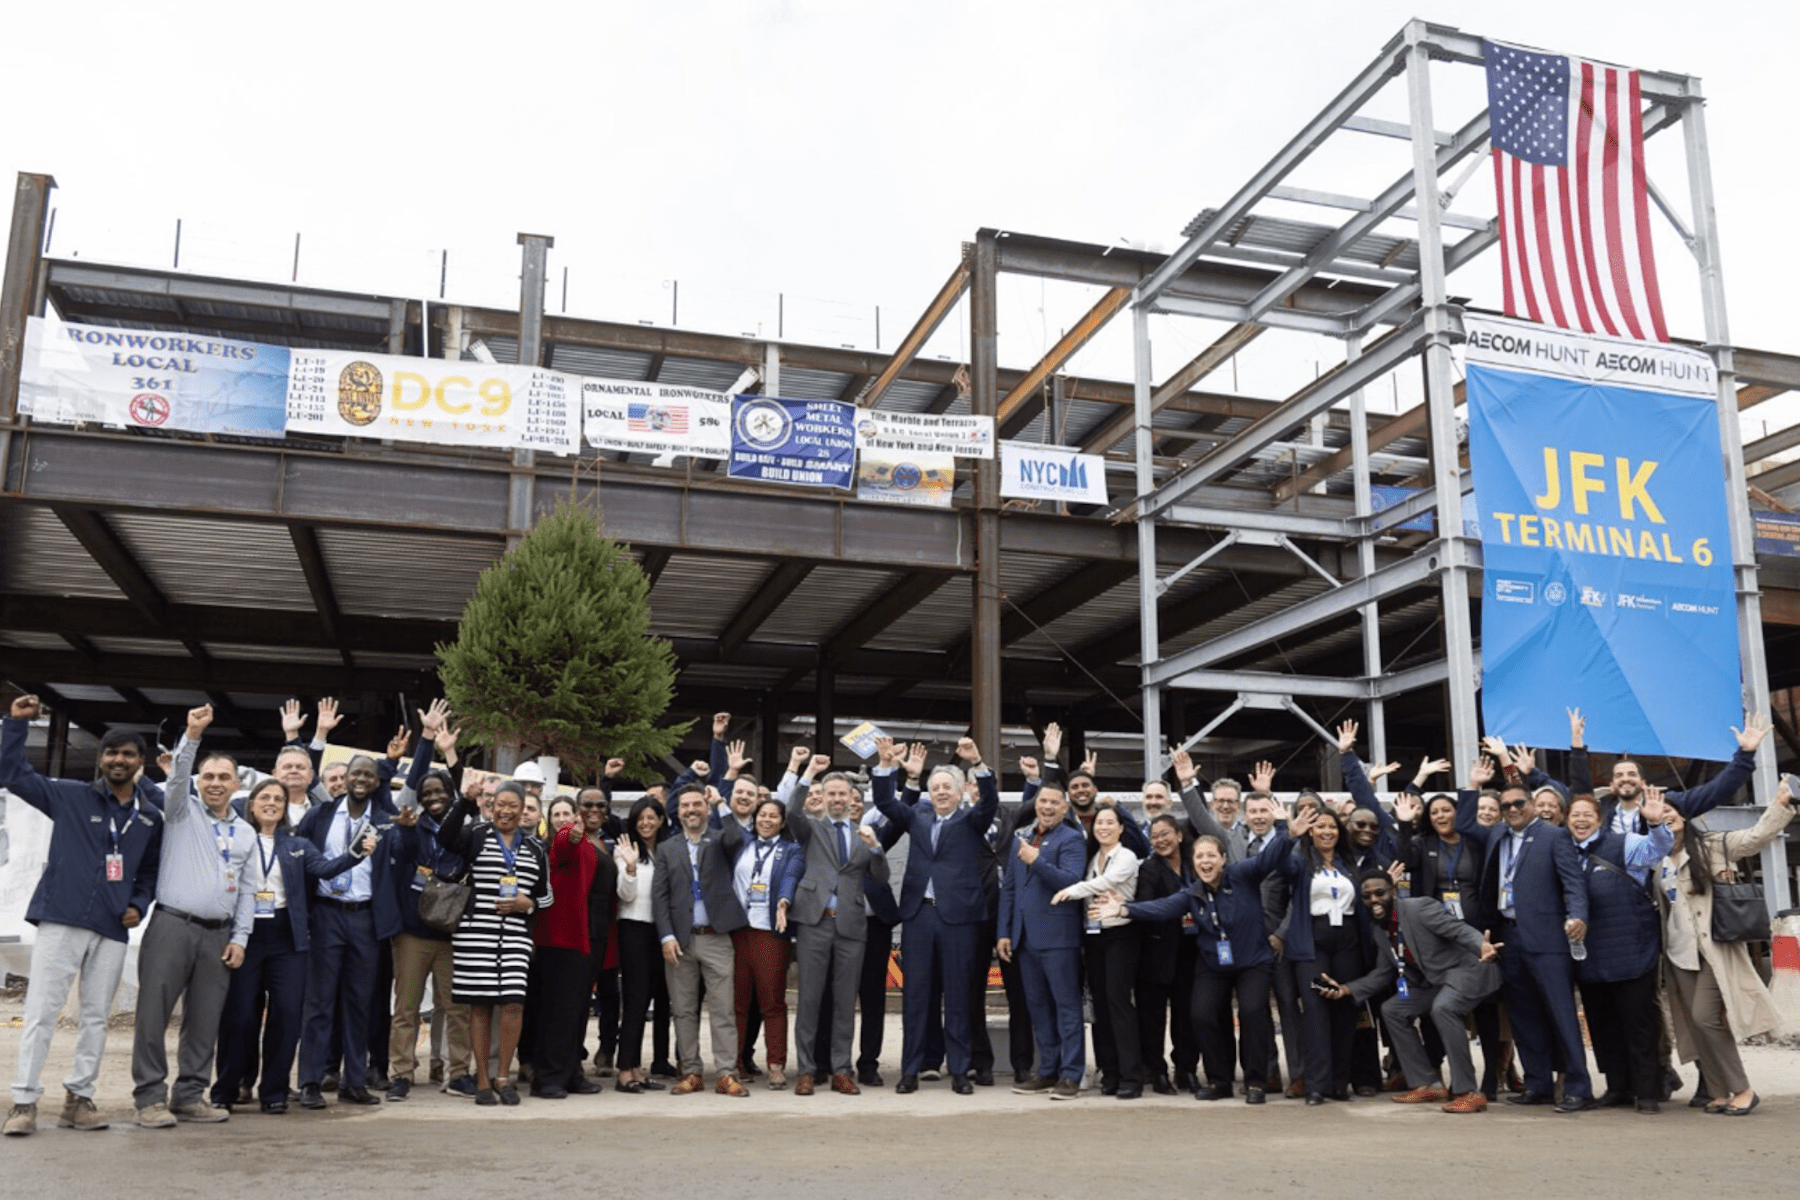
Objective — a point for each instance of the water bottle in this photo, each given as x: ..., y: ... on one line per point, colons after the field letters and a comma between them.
x: 1577, y: 950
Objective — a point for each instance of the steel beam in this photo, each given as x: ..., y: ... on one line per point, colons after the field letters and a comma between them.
x: 142, y: 670
x: 984, y: 401
x: 1079, y: 334
x: 521, y: 499
x: 1410, y: 423
x: 318, y: 582
x: 20, y: 287
x: 1263, y: 681
x: 1317, y: 396
x: 940, y: 307
x: 1178, y: 384
x: 1386, y: 581
x: 774, y: 590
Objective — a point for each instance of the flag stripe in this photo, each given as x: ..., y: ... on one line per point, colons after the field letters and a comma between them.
x: 1584, y: 189
x: 1615, y: 243
x: 1641, y: 203
x: 1520, y: 224
x: 1571, y: 260
x: 1506, y: 263
x: 1540, y: 205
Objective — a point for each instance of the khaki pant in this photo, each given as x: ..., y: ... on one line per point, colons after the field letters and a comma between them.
x: 415, y: 958
x: 708, y: 954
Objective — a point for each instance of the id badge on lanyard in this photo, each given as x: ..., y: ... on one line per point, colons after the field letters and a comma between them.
x: 421, y: 876
x: 1453, y: 904
x: 265, y: 905
x: 1400, y: 988
x: 115, y: 867
x: 1225, y: 959
x: 1336, y: 915
x: 509, y: 886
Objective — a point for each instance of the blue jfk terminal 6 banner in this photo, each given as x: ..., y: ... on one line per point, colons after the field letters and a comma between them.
x: 1605, y: 541
x: 807, y: 443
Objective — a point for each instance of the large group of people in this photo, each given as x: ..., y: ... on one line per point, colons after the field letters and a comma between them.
x: 299, y: 920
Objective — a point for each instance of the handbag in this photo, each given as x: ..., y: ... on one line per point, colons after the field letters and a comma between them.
x: 442, y: 903
x: 1740, y: 913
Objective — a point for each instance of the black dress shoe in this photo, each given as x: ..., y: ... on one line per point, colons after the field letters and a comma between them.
x: 1217, y: 1091
x: 1130, y: 1091
x: 549, y: 1091
x: 581, y: 1085
x: 1671, y: 1082
x: 983, y: 1078
x: 1254, y: 1095
x: 357, y: 1095
x: 1649, y: 1106
x: 1109, y: 1086
x: 651, y: 1085
x: 628, y: 1085
x: 1161, y: 1086
x: 310, y: 1097
x: 1313, y: 1099
x: 1342, y: 1095
x: 961, y: 1086
x: 274, y: 1107
x: 1187, y: 1081
x: 1612, y: 1099
x: 664, y: 1070
x: 751, y: 1070
x: 907, y: 1085
x: 1575, y: 1104
x: 1529, y: 1098
x: 330, y: 1082
x: 870, y: 1078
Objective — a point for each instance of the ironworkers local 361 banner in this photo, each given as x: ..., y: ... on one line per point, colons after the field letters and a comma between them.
x: 1605, y: 541
x: 351, y: 394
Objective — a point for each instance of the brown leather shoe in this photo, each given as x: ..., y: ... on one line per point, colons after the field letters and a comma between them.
x: 843, y: 1085
x: 688, y: 1086
x: 728, y: 1085
x: 1422, y: 1095
x: 1469, y: 1102
x: 1297, y: 1089
x: 803, y: 1086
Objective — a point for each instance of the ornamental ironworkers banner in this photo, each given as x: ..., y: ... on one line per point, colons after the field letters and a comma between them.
x: 1605, y: 541
x: 652, y: 418
x: 148, y: 379
x: 348, y: 393
x: 806, y: 443
x: 902, y: 433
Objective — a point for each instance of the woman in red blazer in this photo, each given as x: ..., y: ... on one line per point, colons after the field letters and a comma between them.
x: 560, y: 965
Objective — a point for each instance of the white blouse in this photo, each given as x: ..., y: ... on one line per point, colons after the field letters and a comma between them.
x: 635, y: 891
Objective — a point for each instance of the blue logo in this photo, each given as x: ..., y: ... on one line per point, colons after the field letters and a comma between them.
x: 764, y: 424
x: 1555, y: 593
x: 907, y: 476
x: 1515, y: 591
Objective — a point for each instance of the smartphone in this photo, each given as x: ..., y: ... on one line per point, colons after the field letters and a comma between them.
x: 1793, y: 782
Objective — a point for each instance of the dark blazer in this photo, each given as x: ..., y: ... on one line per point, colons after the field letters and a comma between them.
x: 1448, y: 952
x: 786, y: 867
x: 1026, y: 914
x: 1161, y: 939
x: 1238, y: 903
x: 672, y: 897
x: 1363, y: 792
x: 954, y: 865
x: 827, y: 871
x: 1548, y: 886
x: 316, y: 824
x: 1698, y: 800
x: 1427, y: 867
x: 303, y: 864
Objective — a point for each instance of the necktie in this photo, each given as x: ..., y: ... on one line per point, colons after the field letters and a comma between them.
x: 1256, y: 845
x: 936, y: 827
x: 843, y: 829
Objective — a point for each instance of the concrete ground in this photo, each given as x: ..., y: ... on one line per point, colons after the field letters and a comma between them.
x: 933, y: 1144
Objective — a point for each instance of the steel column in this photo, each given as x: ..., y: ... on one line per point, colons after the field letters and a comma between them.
x: 521, y: 497
x: 1365, y: 560
x: 1752, y: 664
x: 20, y: 291
x: 1440, y: 395
x: 1149, y: 637
x: 984, y: 401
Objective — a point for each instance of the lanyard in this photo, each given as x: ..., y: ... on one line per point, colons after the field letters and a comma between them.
x: 267, y: 861
x: 1211, y: 903
x: 224, y: 838
x: 1452, y: 858
x: 763, y: 850
x: 509, y: 853
x: 1509, y: 859
x: 694, y: 870
x: 113, y: 824
x: 1397, y: 947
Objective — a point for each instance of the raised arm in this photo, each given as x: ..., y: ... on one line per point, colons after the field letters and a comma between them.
x: 176, y: 806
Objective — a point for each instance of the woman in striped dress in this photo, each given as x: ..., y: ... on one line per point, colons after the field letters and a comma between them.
x: 491, y: 949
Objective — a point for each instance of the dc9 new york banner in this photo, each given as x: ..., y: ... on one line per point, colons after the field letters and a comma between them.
x: 805, y: 443
x: 1605, y: 542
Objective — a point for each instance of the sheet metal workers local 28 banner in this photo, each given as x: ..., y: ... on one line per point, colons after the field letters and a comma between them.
x: 351, y: 394
x: 651, y: 418
x: 88, y: 374
x: 806, y: 443
x: 1605, y: 541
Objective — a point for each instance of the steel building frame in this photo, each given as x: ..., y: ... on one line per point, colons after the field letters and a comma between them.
x: 1428, y: 325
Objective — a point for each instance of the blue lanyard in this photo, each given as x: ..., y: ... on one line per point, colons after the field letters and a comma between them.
x: 1509, y: 859
x: 1211, y: 907
x: 762, y: 856
x: 113, y: 824
x: 224, y: 837
x: 694, y: 870
x: 509, y: 853
x: 268, y: 861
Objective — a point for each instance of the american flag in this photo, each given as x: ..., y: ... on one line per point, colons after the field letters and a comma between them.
x: 1568, y: 139
x: 657, y: 418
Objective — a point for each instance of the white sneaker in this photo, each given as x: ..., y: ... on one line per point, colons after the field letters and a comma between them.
x: 155, y: 1116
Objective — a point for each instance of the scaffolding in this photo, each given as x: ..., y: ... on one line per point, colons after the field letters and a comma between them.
x: 1414, y: 318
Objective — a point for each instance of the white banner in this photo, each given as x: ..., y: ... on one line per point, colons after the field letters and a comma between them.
x: 924, y: 480
x: 149, y: 379
x: 1029, y: 471
x: 1588, y: 358
x: 924, y: 433
x: 650, y: 418
x: 350, y: 394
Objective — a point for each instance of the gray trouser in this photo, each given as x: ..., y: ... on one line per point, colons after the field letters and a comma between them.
x: 1446, y: 1006
x: 828, y: 959
x: 60, y: 954
x: 708, y: 955
x: 178, y: 960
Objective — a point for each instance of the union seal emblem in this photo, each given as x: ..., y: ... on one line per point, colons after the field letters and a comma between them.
x: 359, y: 393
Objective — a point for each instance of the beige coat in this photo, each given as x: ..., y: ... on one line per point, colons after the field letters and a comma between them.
x: 1687, y: 925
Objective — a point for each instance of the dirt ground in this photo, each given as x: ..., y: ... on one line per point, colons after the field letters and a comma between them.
x: 932, y: 1144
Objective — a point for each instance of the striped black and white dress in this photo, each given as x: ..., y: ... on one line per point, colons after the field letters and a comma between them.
x: 490, y: 952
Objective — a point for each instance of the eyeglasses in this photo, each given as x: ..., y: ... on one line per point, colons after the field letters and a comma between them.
x: 1505, y: 804
x: 1363, y: 825
x: 593, y: 804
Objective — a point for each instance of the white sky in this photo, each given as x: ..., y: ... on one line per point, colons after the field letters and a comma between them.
x: 837, y: 152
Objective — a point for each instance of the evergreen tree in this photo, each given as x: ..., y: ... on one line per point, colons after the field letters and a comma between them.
x: 554, y: 653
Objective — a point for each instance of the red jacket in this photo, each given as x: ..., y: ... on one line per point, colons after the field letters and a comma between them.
x: 564, y: 924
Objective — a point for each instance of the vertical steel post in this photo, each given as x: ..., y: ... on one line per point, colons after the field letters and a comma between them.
x: 20, y: 291
x: 771, y: 379
x: 1751, y: 660
x: 984, y: 401
x: 1149, y: 639
x: 522, y: 489
x: 1454, y: 570
x: 1365, y: 560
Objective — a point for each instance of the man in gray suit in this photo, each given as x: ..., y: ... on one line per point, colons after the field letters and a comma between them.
x: 1437, y: 965
x: 841, y: 857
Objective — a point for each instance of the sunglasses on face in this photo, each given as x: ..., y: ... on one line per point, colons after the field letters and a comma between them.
x: 593, y: 804
x: 1506, y: 804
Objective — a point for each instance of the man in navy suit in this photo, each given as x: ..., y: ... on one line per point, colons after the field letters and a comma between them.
x: 1045, y: 939
x: 942, y: 902
x: 1535, y: 896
